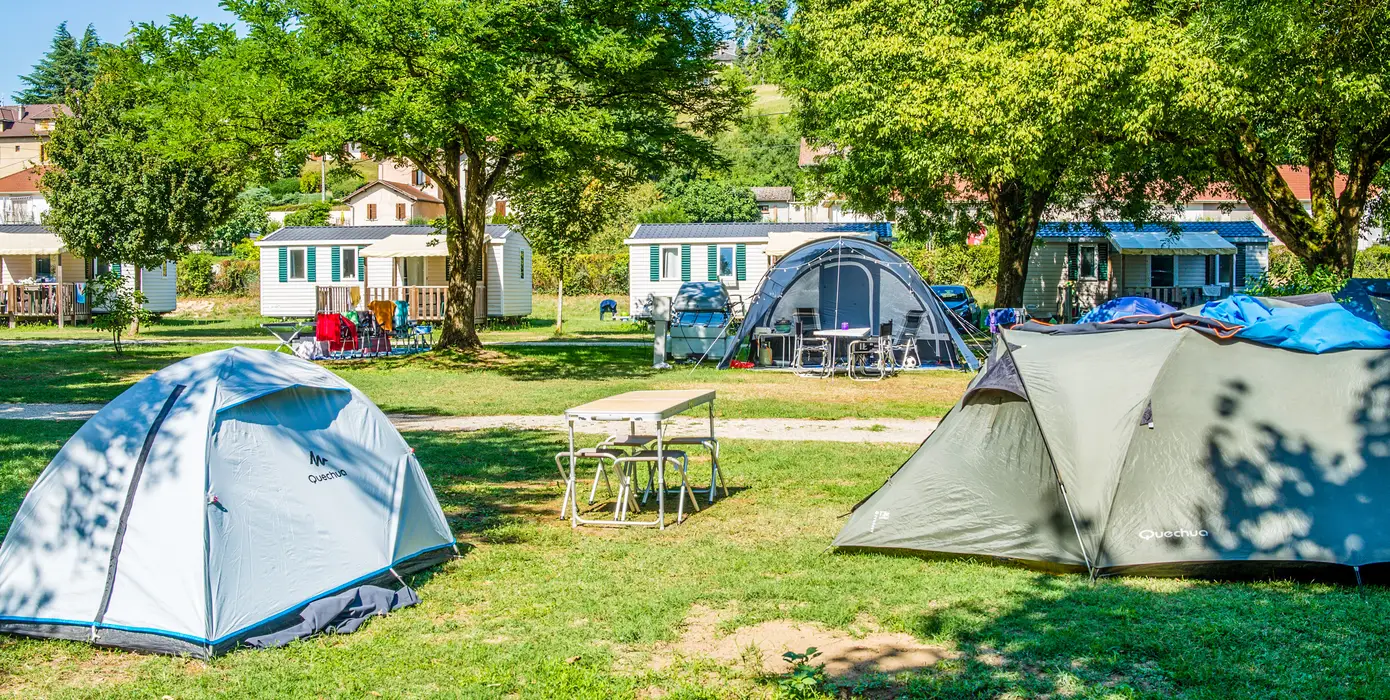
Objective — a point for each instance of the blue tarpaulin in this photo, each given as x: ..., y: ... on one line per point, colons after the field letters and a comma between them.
x: 1126, y: 306
x: 1313, y: 329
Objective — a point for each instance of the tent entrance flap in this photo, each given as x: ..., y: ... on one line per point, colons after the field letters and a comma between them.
x: 1163, y: 243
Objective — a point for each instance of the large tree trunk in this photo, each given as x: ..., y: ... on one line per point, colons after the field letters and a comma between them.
x: 465, y: 217
x: 1017, y: 213
x: 1327, y: 236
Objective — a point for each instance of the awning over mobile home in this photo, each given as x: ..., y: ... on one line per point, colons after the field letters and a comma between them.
x: 31, y: 244
x: 407, y: 246
x: 780, y: 243
x: 1169, y: 243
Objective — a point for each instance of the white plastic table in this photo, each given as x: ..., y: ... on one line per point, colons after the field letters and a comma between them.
x: 650, y: 406
x: 836, y: 334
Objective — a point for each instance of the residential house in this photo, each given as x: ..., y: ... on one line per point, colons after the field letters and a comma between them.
x: 1075, y: 266
x: 310, y: 269
x: 775, y: 203
x: 21, y: 202
x: 662, y: 257
x: 41, y: 280
x: 24, y: 134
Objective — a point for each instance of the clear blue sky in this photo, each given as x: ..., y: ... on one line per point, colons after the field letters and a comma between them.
x: 30, y: 24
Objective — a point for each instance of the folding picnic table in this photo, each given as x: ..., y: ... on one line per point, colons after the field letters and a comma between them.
x: 649, y: 406
x: 288, y: 332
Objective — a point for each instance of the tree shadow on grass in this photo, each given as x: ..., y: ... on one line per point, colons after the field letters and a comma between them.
x: 78, y: 374
x: 526, y: 364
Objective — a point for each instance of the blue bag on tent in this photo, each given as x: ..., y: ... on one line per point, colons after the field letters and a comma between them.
x: 1126, y: 306
x: 402, y: 317
x: 1315, y: 329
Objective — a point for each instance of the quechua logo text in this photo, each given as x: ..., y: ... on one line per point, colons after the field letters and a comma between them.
x: 319, y: 461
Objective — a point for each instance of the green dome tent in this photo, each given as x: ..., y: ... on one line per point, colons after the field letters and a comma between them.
x: 1153, y: 451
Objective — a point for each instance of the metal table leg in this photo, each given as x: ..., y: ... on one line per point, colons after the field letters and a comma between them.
x: 570, y: 491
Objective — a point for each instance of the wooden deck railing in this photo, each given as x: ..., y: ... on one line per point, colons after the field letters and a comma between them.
x: 40, y: 301
x: 1178, y: 297
x: 426, y: 303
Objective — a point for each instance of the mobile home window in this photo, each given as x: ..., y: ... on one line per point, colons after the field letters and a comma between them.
x: 670, y: 263
x: 1089, y: 262
x: 522, y: 268
x: 297, y: 265
x: 726, y: 261
x: 349, y: 263
x: 43, y: 266
x: 1161, y: 269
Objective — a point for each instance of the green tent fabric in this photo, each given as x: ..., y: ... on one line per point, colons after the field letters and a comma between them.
x: 1156, y: 452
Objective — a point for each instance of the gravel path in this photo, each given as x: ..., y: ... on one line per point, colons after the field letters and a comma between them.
x: 883, y: 430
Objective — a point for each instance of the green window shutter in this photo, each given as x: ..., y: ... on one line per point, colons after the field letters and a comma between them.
x: 741, y: 262
x: 1073, y: 261
x: 656, y: 263
x: 361, y: 265
x: 1103, y: 261
x: 284, y: 264
x: 337, y: 264
x: 685, y: 263
x: 712, y: 260
x: 310, y: 259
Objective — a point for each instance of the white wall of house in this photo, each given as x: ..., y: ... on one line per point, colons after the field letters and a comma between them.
x: 641, y: 284
x: 776, y: 211
x: 158, y: 283
x: 509, y: 277
x: 828, y: 212
x: 388, y: 203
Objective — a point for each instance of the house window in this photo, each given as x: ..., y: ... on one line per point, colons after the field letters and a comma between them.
x: 400, y: 212
x: 297, y: 265
x: 499, y: 208
x: 43, y: 153
x: 726, y: 261
x: 670, y: 263
x: 100, y: 267
x: 419, y: 178
x: 1161, y: 269
x: 371, y: 212
x: 1090, y: 260
x: 523, y: 264
x: 1220, y: 269
x: 43, y: 266
x: 348, y: 264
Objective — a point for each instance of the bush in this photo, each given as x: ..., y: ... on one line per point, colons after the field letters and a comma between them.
x: 1286, y: 276
x: 283, y: 187
x: 247, y: 250
x: 587, y: 273
x: 955, y: 264
x: 313, y: 214
x: 1373, y: 262
x: 236, y: 277
x: 196, y: 275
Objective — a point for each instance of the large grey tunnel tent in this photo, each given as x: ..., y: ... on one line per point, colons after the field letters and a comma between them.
x: 859, y: 282
x: 1153, y: 451
x: 211, y: 503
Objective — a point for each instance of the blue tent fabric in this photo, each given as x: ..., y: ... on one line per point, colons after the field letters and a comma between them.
x: 1126, y: 306
x: 1314, y: 329
x: 342, y: 614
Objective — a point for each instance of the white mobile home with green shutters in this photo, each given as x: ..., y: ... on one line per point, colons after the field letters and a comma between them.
x: 310, y: 269
x: 662, y: 257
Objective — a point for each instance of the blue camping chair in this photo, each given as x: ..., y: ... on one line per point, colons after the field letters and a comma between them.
x: 609, y: 307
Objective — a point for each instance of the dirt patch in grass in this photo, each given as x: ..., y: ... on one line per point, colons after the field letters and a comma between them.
x: 843, y: 654
x: 74, y: 667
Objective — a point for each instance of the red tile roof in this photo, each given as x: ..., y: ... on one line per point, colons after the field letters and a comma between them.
x: 18, y: 121
x: 22, y: 182
x: 1296, y: 177
x: 407, y: 191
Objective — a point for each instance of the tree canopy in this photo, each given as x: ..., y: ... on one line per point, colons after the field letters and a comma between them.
x: 1005, y: 110
x: 481, y: 95
x: 114, y: 192
x: 69, y: 66
x: 1290, y: 82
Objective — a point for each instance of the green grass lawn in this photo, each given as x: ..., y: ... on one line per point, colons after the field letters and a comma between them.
x: 503, y: 381
x: 534, y: 609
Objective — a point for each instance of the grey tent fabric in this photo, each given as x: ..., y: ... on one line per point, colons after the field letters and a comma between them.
x: 211, y: 501
x: 341, y: 614
x: 1156, y: 452
x: 859, y: 282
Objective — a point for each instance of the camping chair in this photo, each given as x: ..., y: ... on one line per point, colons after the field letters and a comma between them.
x: 906, y: 343
x: 871, y: 359
x: 676, y: 458
x: 608, y: 306
x: 807, y: 344
x: 403, y: 330
x: 598, y: 454
x: 371, y: 338
x: 716, y: 475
